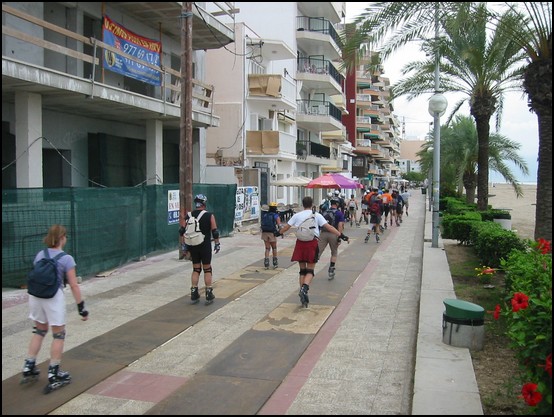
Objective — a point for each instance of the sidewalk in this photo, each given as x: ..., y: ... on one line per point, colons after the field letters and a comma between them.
x: 369, y: 343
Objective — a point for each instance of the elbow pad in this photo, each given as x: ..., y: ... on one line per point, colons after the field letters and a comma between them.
x: 215, y: 234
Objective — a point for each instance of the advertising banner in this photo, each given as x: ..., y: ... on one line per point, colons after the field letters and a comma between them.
x: 141, y: 48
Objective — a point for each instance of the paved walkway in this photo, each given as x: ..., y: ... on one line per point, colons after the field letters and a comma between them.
x: 369, y: 343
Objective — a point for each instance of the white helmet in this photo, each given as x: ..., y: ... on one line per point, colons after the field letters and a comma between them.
x: 329, y: 194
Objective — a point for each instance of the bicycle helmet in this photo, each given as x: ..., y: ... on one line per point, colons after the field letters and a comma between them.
x: 200, y: 200
x: 335, y: 200
x: 273, y: 204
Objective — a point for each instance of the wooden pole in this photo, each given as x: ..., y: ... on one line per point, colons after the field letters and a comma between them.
x: 185, y: 140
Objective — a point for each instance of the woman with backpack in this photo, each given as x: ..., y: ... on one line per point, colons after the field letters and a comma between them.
x: 51, y: 312
x: 308, y: 224
x: 270, y: 224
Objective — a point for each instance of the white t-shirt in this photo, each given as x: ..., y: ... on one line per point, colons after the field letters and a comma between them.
x: 301, y: 216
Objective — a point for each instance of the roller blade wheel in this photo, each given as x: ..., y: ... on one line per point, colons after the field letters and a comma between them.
x: 55, y: 386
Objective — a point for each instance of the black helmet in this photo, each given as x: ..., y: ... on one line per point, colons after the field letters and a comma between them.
x: 200, y: 200
x: 334, y: 200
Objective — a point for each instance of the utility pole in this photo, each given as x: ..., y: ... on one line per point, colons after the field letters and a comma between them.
x: 185, y: 138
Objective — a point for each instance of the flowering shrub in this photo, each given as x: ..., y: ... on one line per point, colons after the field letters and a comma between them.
x: 485, y: 273
x: 527, y: 309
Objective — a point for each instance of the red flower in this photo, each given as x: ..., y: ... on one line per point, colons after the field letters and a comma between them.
x: 530, y: 394
x: 496, y: 313
x: 548, y: 365
x: 520, y: 301
x: 544, y: 246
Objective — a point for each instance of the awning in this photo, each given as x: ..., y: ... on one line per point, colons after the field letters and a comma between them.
x: 334, y: 135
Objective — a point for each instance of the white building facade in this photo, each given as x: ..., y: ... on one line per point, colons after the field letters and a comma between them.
x: 280, y: 95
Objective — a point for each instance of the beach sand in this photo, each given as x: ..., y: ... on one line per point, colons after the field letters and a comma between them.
x: 502, y: 196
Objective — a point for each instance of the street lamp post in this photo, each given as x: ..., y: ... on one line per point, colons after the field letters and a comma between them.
x: 437, y: 107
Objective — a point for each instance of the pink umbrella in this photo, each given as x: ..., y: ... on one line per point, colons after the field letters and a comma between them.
x: 333, y: 181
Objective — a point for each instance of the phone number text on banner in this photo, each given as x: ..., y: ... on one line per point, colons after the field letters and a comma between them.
x: 144, y: 49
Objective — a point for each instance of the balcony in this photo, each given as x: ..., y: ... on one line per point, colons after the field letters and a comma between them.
x: 318, y: 115
x: 317, y: 36
x: 209, y: 33
x: 272, y: 90
x: 68, y: 73
x: 271, y: 144
x: 319, y: 74
x: 313, y: 153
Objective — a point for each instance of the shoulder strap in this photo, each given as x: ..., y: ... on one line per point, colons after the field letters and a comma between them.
x: 46, y: 253
x: 200, y: 214
x: 59, y: 255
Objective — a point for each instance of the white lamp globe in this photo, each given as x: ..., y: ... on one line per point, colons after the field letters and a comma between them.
x: 437, y: 104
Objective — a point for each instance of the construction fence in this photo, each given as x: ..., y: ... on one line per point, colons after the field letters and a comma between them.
x: 106, y: 227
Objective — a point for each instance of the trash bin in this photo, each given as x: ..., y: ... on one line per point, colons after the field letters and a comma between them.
x: 463, y: 324
x: 423, y: 190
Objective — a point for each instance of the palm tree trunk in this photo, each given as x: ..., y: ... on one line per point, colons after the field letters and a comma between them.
x: 469, y: 185
x: 483, y: 129
x: 543, y: 207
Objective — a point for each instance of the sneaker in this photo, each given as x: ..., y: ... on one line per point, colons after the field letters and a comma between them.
x: 194, y: 295
x: 331, y: 272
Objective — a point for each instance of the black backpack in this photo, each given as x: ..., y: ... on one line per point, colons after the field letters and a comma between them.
x: 269, y: 222
x: 42, y: 280
x: 330, y: 216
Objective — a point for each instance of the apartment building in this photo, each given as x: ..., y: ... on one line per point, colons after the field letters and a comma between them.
x: 91, y: 91
x: 280, y: 93
x: 373, y: 129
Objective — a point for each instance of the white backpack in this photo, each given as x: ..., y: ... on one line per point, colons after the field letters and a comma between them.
x: 193, y: 235
x: 306, y: 230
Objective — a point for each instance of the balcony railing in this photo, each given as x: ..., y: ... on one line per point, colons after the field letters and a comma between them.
x: 273, y: 88
x: 318, y: 24
x: 270, y: 142
x: 318, y: 108
x: 321, y: 67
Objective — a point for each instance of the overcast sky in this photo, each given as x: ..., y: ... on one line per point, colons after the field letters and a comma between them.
x: 517, y: 123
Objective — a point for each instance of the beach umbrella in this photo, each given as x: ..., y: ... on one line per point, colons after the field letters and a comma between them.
x: 333, y: 181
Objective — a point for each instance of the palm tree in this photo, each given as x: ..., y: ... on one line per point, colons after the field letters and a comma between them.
x: 482, y: 67
x: 459, y: 148
x: 530, y: 27
x: 459, y: 155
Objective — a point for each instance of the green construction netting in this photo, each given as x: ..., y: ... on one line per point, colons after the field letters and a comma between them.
x: 107, y: 227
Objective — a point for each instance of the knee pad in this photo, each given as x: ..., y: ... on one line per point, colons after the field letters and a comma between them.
x: 59, y: 335
x: 197, y: 270
x: 208, y: 270
x: 309, y: 271
x: 303, y: 272
x: 41, y: 333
